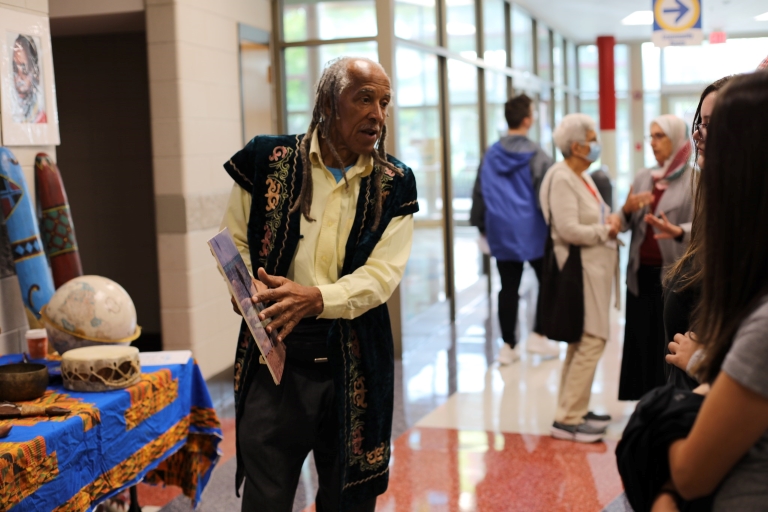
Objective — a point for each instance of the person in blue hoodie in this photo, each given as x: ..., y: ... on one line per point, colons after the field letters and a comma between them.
x: 506, y: 210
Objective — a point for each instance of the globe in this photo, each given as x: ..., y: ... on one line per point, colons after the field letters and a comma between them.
x: 87, y: 311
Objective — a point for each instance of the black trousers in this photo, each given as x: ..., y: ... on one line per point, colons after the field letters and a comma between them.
x: 642, y: 362
x: 279, y: 427
x: 511, y: 273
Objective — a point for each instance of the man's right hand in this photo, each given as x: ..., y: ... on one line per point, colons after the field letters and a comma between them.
x: 636, y: 201
x: 260, y: 287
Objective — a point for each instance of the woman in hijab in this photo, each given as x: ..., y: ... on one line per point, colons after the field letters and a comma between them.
x: 659, y: 211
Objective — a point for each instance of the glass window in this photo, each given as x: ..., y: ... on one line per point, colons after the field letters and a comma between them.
x: 588, y: 69
x: 496, y: 97
x: 465, y: 134
x: 651, y: 110
x: 621, y: 67
x: 623, y: 147
x: 558, y: 64
x: 651, y: 67
x: 545, y: 127
x: 590, y: 106
x: 460, y: 26
x: 573, y: 103
x: 522, y: 39
x: 303, y: 66
x: 559, y: 106
x: 329, y: 20
x: 418, y: 118
x: 623, y: 135
x: 684, y: 106
x: 535, y: 132
x: 572, y: 64
x: 419, y: 144
x: 465, y: 159
x: 495, y: 38
x: 707, y: 63
x: 415, y: 20
x: 543, y: 52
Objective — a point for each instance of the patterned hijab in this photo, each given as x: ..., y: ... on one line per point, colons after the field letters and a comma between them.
x: 676, y: 129
x: 763, y: 65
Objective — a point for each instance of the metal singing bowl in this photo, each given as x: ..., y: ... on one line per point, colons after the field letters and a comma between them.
x: 22, y: 381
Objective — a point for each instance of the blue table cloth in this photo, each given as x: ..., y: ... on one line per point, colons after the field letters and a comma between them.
x: 162, y: 430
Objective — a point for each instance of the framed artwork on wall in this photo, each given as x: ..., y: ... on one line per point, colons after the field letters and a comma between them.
x: 27, y: 87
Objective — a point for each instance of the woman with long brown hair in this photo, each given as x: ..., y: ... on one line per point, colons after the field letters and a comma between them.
x: 727, y: 449
x: 682, y: 284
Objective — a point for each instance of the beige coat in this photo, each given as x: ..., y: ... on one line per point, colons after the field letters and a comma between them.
x: 576, y: 218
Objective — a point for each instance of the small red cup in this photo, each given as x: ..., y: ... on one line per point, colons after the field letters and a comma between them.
x: 37, y: 343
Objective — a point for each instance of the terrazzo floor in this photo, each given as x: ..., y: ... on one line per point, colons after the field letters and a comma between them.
x: 468, y: 435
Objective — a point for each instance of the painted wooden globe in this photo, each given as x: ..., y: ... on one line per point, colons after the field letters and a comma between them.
x: 90, y: 310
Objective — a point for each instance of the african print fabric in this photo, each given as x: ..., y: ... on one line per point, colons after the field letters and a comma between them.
x: 163, y: 430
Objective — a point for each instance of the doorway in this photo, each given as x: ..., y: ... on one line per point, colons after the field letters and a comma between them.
x: 257, y: 89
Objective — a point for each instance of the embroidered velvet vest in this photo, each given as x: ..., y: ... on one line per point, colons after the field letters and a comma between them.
x: 360, y: 351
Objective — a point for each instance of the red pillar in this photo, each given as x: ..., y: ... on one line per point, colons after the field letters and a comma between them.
x: 607, y: 84
x: 605, y: 45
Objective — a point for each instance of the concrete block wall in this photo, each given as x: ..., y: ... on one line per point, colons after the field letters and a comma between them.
x: 26, y: 154
x: 194, y: 85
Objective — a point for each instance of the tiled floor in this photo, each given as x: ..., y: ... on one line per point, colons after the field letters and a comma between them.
x: 470, y: 436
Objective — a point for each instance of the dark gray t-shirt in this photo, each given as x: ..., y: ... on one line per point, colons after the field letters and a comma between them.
x: 746, y: 486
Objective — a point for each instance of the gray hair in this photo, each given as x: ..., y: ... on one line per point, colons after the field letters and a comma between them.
x: 332, y: 83
x: 573, y: 128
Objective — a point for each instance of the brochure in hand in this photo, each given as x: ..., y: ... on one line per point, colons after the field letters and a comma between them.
x: 241, y: 287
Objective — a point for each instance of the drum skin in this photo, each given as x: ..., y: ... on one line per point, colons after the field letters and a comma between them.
x: 26, y: 245
x: 56, y: 227
x: 101, y: 368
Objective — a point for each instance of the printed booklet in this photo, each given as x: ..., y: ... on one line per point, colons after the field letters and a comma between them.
x: 241, y: 287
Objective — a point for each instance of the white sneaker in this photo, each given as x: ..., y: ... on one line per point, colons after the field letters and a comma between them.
x: 538, y: 344
x: 508, y: 355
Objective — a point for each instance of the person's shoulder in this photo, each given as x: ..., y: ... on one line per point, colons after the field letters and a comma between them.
x: 748, y: 355
x: 269, y: 142
x: 756, y: 322
x: 403, y: 187
x: 407, y: 171
x: 559, y: 172
x: 643, y: 174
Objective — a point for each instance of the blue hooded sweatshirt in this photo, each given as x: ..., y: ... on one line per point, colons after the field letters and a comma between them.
x: 514, y: 225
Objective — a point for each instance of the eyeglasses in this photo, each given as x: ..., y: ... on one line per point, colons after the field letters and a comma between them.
x: 656, y: 136
x: 701, y: 127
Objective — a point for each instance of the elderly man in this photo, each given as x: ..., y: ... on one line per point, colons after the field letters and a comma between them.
x: 327, y: 219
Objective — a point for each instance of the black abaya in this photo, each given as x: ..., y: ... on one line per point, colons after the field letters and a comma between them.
x: 642, y: 364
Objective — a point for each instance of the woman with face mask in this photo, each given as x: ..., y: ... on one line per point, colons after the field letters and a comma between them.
x: 577, y: 215
x: 659, y: 211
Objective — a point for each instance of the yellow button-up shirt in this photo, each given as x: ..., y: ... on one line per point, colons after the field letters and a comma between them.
x: 319, y: 257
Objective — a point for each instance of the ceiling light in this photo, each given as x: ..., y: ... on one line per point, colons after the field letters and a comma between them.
x: 762, y: 17
x: 639, y: 18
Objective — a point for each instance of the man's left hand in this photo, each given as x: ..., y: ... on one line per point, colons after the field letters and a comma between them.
x: 292, y: 302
